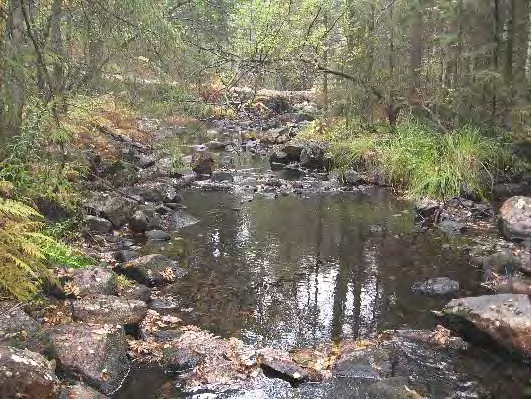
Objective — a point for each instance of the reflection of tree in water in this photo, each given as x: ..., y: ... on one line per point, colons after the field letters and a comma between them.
x: 298, y: 271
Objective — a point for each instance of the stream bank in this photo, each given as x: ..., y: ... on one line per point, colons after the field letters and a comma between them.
x: 251, y: 273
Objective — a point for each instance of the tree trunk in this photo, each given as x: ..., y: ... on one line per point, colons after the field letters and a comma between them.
x: 14, y: 73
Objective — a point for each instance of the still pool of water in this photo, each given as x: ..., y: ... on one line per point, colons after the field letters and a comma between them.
x: 291, y: 272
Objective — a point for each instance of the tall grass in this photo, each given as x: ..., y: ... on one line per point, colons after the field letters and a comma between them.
x: 425, y: 163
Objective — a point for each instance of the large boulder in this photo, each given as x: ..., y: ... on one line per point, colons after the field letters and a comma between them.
x: 286, y: 154
x: 515, y: 215
x: 116, y: 208
x: 95, y: 280
x: 107, y: 309
x: 503, y: 319
x: 94, y: 353
x: 20, y: 330
x: 25, y: 374
x: 152, y: 270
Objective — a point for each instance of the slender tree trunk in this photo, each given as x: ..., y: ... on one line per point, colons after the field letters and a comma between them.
x: 14, y: 73
x: 56, y: 38
x: 415, y: 51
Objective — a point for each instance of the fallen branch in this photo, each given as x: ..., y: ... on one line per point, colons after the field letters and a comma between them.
x: 123, y: 139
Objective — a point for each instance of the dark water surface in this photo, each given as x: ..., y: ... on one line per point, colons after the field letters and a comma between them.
x: 297, y: 272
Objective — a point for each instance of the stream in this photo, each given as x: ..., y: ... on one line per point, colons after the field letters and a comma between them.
x: 303, y: 270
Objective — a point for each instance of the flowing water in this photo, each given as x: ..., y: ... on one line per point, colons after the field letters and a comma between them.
x: 302, y: 270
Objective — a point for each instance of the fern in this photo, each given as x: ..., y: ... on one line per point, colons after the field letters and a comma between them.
x: 25, y: 252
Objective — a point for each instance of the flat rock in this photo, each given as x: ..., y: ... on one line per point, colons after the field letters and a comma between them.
x: 126, y: 255
x: 436, y: 286
x: 451, y: 226
x: 138, y: 292
x: 504, y: 319
x: 157, y: 235
x: 156, y: 192
x: 25, y: 374
x: 94, y: 353
x: 221, y: 175
x: 515, y: 215
x: 115, y: 208
x: 152, y: 270
x: 95, y: 280
x: 106, y: 309
x: 280, y: 363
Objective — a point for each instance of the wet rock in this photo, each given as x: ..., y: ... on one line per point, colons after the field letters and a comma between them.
x: 96, y: 224
x: 286, y: 154
x: 452, y: 226
x: 136, y: 292
x: 81, y: 391
x: 352, y: 178
x: 313, y: 156
x: 436, y: 286
x: 117, y: 209
x: 152, y: 270
x: 19, y: 330
x: 25, y: 374
x: 158, y: 235
x: 213, y: 186
x: 106, y: 309
x: 202, y: 163
x: 92, y: 353
x: 179, y: 359
x: 139, y: 222
x: 426, y: 208
x: 125, y: 255
x: 181, y: 219
x: 359, y: 359
x: 220, y: 175
x: 515, y: 215
x: 391, y: 388
x: 280, y: 364
x: 503, y: 319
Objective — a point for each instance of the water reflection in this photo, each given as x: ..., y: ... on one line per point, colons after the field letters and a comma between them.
x: 297, y: 271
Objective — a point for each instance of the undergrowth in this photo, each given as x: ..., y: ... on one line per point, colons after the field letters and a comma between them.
x: 26, y: 252
x: 423, y: 162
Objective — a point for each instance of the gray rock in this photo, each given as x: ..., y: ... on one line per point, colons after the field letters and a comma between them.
x: 125, y: 255
x: 216, y: 145
x: 202, y: 163
x: 158, y: 235
x: 506, y: 190
x: 25, y: 374
x: 95, y: 280
x: 280, y: 364
x: 96, y: 224
x: 117, y: 209
x: 20, y: 330
x: 156, y: 192
x: 313, y: 155
x: 152, y: 270
x: 503, y: 319
x: 106, y: 309
x: 515, y: 215
x: 92, y: 353
x: 81, y: 391
x: 179, y: 359
x: 136, y: 291
x: 436, y: 286
x: 451, y: 226
x: 220, y: 175
x: 272, y: 182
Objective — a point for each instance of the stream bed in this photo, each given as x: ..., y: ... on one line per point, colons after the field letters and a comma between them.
x: 292, y: 271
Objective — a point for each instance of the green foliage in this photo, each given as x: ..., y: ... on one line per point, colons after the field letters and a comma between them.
x: 426, y: 163
x: 26, y: 251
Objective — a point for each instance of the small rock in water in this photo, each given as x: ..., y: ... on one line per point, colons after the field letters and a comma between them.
x: 220, y: 175
x: 436, y: 286
x: 158, y: 235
